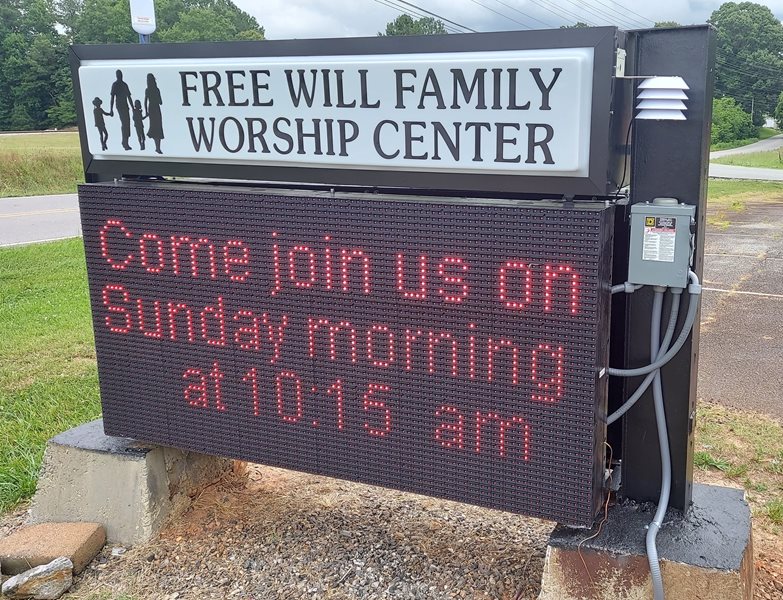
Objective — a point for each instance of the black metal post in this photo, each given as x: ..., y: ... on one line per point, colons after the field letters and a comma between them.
x: 669, y: 158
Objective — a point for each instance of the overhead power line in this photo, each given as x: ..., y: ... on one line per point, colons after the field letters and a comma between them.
x: 437, y: 16
x: 413, y: 14
x: 516, y: 10
x: 614, y: 11
x: 625, y: 8
x: 560, y: 12
x: 601, y: 15
x: 742, y: 70
x: 732, y: 60
x: 497, y: 12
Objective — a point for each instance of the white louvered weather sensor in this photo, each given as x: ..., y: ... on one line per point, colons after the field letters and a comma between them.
x: 662, y: 99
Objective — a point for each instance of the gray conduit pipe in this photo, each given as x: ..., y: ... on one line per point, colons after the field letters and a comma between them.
x: 695, y: 291
x: 666, y: 467
x: 667, y: 339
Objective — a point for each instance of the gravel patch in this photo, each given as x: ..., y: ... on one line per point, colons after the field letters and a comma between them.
x: 278, y: 534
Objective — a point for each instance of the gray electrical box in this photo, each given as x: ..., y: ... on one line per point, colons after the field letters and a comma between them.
x: 661, y: 242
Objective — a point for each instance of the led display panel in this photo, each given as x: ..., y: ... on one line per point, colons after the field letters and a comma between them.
x: 449, y: 347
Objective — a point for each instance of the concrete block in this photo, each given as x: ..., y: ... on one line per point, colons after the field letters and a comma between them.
x: 37, y: 545
x: 130, y: 487
x: 706, y: 554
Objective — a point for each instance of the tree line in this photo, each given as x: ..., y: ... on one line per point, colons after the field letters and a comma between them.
x: 748, y: 70
x: 35, y: 77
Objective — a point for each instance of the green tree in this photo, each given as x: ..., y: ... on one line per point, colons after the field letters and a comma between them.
x: 730, y: 122
x: 406, y: 25
x: 108, y: 21
x: 35, y: 78
x: 778, y: 114
x: 749, y: 49
x: 103, y: 22
x: 577, y: 25
x: 666, y: 24
x: 206, y: 21
x: 31, y: 50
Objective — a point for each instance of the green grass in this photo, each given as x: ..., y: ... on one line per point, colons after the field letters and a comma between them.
x: 47, y: 163
x: 772, y: 159
x: 726, y: 197
x: 721, y: 189
x: 48, y: 377
x: 746, y: 448
x: 705, y: 460
x: 775, y: 511
x: 762, y: 134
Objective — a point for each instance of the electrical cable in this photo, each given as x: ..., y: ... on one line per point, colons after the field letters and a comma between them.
x: 659, y: 356
x: 626, y: 287
x: 497, y: 12
x: 387, y: 3
x: 657, y: 348
x: 621, y: 183
x: 695, y: 292
x: 516, y: 10
x: 612, y: 11
x: 559, y: 10
x: 626, y: 9
x: 666, y: 466
x: 667, y: 338
x: 413, y: 14
x: 734, y: 61
x: 595, y: 12
x: 437, y: 16
x: 738, y: 69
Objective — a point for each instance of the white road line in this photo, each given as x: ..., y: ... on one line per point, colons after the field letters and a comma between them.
x: 67, y: 237
x: 753, y: 235
x: 34, y: 213
x: 711, y: 289
x: 761, y: 258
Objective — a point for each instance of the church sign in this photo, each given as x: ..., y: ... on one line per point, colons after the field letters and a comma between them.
x: 386, y: 264
x: 472, y: 112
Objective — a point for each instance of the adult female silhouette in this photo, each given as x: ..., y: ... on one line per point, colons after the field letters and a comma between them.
x: 152, y: 102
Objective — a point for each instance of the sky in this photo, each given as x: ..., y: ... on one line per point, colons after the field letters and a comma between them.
x: 285, y: 19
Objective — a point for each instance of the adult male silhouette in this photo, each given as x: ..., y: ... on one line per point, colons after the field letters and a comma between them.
x: 121, y: 96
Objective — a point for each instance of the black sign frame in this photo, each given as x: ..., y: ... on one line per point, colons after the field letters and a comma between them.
x: 604, y: 167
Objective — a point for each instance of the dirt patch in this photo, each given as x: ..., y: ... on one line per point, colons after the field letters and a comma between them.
x: 280, y: 534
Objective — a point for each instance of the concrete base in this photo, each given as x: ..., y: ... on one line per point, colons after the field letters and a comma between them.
x: 705, y: 555
x: 130, y: 487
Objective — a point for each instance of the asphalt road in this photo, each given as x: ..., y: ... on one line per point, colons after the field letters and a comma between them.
x: 742, y: 312
x: 38, y: 218
x: 735, y: 172
x: 772, y: 143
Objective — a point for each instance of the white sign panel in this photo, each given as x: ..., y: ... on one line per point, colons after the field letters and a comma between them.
x: 502, y: 112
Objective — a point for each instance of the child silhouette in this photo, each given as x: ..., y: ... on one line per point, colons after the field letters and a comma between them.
x: 138, y: 122
x: 98, y: 113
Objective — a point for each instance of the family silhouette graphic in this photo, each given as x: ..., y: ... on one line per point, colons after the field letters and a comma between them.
x: 129, y: 111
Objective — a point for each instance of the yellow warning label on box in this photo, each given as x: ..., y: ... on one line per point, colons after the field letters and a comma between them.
x: 649, y: 221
